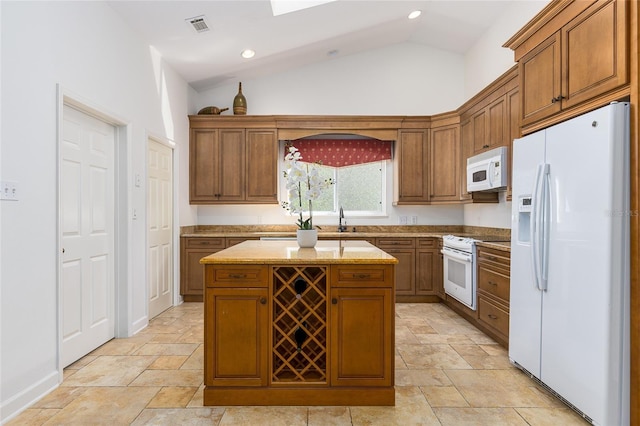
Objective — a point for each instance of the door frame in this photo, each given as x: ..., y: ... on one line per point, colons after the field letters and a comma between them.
x: 176, y: 298
x: 122, y: 201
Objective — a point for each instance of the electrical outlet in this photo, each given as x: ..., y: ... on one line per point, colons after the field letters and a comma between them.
x: 402, y: 220
x: 414, y: 220
x: 9, y: 191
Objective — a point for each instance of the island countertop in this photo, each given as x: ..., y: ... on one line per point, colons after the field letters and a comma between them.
x: 267, y: 252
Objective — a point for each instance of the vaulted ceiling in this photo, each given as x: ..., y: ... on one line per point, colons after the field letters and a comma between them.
x: 320, y: 33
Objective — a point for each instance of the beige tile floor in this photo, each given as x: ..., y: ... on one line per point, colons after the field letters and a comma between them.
x: 447, y: 373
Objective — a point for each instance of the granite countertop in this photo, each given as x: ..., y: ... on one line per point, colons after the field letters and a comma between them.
x: 415, y: 231
x: 287, y: 252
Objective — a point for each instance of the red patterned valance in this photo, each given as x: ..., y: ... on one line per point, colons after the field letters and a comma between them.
x: 343, y: 152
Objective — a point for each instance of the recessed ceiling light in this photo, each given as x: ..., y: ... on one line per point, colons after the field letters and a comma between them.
x: 333, y: 52
x: 248, y: 53
x: 415, y: 14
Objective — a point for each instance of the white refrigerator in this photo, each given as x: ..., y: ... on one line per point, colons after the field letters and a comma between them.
x: 569, y: 302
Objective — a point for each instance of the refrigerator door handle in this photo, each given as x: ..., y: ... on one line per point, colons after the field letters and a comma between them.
x: 537, y: 205
x: 545, y: 224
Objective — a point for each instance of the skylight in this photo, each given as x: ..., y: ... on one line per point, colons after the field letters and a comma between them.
x: 280, y: 7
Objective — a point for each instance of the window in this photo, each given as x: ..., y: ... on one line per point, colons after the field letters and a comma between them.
x: 359, y: 189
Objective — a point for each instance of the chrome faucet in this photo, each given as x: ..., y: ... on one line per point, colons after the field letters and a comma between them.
x: 341, y: 227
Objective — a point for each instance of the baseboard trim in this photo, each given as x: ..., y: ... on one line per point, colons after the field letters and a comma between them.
x: 23, y: 400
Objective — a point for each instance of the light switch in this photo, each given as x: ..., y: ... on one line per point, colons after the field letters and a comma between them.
x: 9, y: 191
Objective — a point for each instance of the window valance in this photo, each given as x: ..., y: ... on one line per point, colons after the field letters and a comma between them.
x: 342, y: 152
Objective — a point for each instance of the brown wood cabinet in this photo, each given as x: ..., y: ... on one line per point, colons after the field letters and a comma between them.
x: 487, y: 122
x: 428, y: 266
x: 233, y: 166
x: 412, y: 166
x: 569, y: 54
x: 362, y: 331
x: 513, y: 124
x: 192, y: 249
x: 254, y: 354
x: 445, y: 164
x: 493, y: 276
x: 236, y: 326
x: 403, y: 249
x: 191, y: 271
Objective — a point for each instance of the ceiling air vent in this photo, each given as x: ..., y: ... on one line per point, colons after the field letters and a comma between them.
x: 198, y: 23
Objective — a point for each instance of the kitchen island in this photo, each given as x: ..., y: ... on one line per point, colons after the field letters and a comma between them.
x: 299, y: 326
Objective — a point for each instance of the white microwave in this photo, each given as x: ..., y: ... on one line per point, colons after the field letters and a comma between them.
x: 487, y: 171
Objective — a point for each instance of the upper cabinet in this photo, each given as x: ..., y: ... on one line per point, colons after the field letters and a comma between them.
x: 572, y: 57
x: 231, y: 165
x: 488, y: 120
x: 412, y: 171
x: 445, y: 159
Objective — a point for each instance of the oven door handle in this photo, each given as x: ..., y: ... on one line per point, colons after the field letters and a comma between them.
x: 468, y: 258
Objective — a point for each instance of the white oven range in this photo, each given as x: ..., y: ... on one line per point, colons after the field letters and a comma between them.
x: 459, y: 257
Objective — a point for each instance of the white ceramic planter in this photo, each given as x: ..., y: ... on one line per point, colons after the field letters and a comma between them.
x: 307, y: 237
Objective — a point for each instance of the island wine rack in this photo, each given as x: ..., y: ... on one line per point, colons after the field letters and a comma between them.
x: 299, y: 322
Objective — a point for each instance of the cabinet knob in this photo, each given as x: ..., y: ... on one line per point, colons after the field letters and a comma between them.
x: 557, y: 99
x: 492, y: 316
x: 334, y: 301
x: 492, y: 283
x: 263, y: 300
x: 485, y: 146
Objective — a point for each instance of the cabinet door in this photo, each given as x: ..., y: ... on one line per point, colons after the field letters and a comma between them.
x: 594, y: 52
x: 231, y: 165
x: 540, y: 80
x: 479, y: 120
x: 236, y: 337
x: 412, y: 167
x: 191, y: 271
x: 362, y: 337
x: 445, y: 143
x: 203, y: 166
x: 513, y: 120
x: 262, y: 166
x: 466, y: 148
x: 497, y: 124
x: 426, y: 269
x: 405, y: 270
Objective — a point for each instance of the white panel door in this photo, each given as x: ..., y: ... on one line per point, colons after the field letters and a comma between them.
x: 160, y: 220
x: 87, y: 226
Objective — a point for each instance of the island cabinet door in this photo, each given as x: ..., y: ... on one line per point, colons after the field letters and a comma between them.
x: 362, y: 337
x: 236, y: 336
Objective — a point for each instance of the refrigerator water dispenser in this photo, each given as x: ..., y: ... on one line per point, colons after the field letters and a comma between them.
x: 524, y: 219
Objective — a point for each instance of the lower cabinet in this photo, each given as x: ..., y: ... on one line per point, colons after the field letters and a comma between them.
x: 237, y: 325
x: 493, y: 292
x: 299, y: 335
x: 362, y: 325
x: 191, y: 271
x: 403, y: 249
x: 192, y: 249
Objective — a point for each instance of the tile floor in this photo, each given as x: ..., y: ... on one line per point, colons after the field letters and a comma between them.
x: 447, y: 373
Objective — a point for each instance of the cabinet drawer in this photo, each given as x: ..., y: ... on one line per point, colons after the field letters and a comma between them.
x: 498, y: 257
x: 362, y: 276
x: 205, y: 242
x: 427, y: 242
x: 494, y: 282
x: 493, y: 315
x: 395, y: 243
x: 236, y: 276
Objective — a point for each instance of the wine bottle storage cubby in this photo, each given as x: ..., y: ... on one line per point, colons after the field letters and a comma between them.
x: 299, y: 324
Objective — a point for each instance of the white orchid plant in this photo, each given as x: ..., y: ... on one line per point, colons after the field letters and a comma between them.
x: 298, y: 174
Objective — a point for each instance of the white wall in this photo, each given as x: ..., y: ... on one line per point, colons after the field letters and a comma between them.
x: 485, y: 62
x: 86, y: 49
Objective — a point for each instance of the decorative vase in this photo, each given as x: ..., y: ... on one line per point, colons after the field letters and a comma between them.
x: 307, y: 238
x: 239, y: 102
